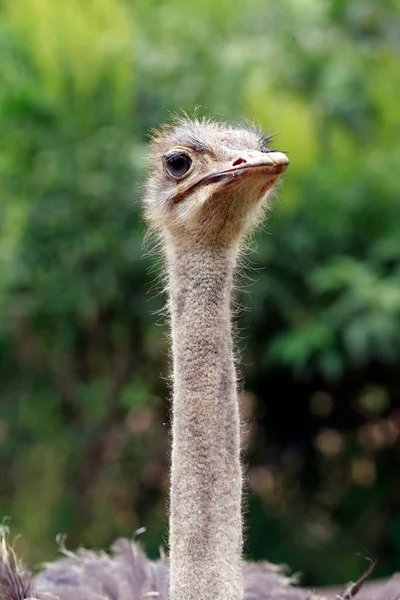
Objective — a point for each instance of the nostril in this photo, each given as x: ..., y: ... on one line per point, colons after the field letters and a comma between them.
x: 238, y: 161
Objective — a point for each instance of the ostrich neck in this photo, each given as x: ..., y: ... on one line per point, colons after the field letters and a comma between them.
x: 206, y: 480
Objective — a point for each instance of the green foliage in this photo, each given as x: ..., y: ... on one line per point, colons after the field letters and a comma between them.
x: 83, y: 359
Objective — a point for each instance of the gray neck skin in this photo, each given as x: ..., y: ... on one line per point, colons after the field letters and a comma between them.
x: 206, y: 478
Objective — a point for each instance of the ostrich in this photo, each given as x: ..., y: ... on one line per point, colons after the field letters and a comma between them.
x: 208, y: 195
x: 208, y: 186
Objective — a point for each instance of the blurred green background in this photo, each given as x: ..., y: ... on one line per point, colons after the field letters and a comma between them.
x: 83, y: 353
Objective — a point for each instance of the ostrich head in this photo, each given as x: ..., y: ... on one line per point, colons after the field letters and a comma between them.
x: 209, y: 182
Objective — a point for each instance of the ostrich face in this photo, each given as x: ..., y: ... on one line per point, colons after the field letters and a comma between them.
x: 209, y: 182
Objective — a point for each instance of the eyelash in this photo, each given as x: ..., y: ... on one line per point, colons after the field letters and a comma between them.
x: 264, y: 143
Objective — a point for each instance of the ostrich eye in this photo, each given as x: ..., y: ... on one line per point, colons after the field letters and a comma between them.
x: 178, y: 164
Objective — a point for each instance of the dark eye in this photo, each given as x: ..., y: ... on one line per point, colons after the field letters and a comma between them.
x: 178, y: 164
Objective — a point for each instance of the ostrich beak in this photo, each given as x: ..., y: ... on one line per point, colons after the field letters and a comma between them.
x: 264, y: 166
x: 254, y: 163
x: 267, y: 166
